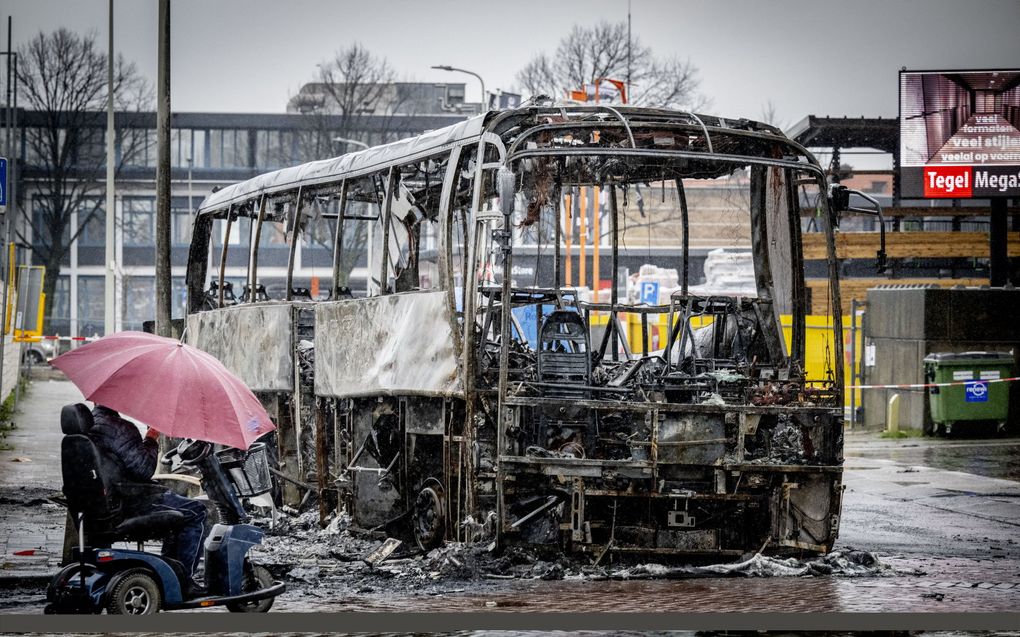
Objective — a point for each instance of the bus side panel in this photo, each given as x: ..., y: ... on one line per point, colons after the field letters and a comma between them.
x: 255, y: 342
x: 399, y: 344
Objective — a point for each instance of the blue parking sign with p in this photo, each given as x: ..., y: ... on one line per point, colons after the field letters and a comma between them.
x: 976, y: 392
x: 650, y: 292
x: 3, y: 181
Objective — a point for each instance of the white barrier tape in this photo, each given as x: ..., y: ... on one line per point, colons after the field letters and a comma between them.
x: 927, y: 385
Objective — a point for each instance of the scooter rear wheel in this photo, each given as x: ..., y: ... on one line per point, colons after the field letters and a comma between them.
x: 136, y: 594
x: 255, y: 578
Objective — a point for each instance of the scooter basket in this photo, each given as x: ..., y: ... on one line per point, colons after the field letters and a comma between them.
x: 249, y: 470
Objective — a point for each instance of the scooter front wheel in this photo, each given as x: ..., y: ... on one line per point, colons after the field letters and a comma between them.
x: 65, y: 594
x: 255, y: 578
x: 136, y: 594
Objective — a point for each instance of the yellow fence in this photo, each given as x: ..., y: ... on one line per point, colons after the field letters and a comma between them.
x: 819, y: 351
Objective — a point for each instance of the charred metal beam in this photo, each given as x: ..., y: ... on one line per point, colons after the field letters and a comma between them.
x: 581, y: 467
x: 198, y: 263
x: 253, y: 250
x: 292, y: 248
x: 391, y: 186
x: 223, y: 253
x: 637, y: 406
x: 759, y: 233
x: 338, y: 241
x: 831, y: 222
x: 799, y: 293
x: 614, y: 293
x: 696, y: 126
x: 686, y: 236
x: 551, y: 500
x: 649, y: 153
x: 558, y: 195
x: 321, y: 458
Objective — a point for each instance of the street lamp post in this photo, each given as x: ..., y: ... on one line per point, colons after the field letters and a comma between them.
x: 191, y: 162
x: 446, y: 67
x: 110, y: 277
x: 354, y: 142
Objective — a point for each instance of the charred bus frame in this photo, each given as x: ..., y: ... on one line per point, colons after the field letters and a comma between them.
x: 428, y: 413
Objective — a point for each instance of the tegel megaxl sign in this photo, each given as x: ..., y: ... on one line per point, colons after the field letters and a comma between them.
x: 960, y: 134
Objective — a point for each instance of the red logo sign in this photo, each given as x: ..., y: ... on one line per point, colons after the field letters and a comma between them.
x: 948, y: 181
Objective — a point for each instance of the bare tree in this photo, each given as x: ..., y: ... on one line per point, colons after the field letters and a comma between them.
x: 590, y: 53
x: 770, y: 115
x: 356, y: 93
x: 64, y: 78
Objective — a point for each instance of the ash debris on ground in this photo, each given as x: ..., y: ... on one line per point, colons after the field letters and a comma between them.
x: 842, y: 563
x: 326, y: 561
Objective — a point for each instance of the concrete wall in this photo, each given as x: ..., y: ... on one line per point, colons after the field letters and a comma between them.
x: 904, y: 325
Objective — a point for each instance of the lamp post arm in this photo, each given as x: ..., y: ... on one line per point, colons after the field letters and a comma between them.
x: 444, y: 67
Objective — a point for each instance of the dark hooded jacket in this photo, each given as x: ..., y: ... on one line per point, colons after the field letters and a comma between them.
x: 129, y: 457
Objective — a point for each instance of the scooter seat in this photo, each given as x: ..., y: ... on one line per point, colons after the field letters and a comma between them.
x: 150, y: 525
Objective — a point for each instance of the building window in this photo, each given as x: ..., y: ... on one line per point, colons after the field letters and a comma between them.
x: 139, y: 301
x: 91, y: 305
x: 228, y: 148
x: 41, y: 215
x: 240, y: 232
x: 274, y: 148
x: 138, y: 220
x: 34, y: 153
x: 180, y: 147
x: 89, y: 150
x: 138, y: 147
x: 198, y: 148
x: 178, y: 297
x: 60, y: 316
x: 93, y: 234
x: 181, y: 221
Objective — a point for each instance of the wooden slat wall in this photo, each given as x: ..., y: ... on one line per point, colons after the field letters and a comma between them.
x: 864, y: 245
x: 858, y: 289
x: 922, y: 211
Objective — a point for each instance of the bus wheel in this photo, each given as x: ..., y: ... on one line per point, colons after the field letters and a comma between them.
x: 430, y: 515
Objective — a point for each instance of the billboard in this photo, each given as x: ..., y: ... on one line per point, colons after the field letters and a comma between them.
x: 960, y: 134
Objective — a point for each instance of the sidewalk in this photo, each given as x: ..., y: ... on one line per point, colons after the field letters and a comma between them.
x: 29, y: 472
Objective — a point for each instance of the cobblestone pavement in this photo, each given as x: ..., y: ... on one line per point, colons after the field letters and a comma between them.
x: 31, y: 528
x: 952, y: 534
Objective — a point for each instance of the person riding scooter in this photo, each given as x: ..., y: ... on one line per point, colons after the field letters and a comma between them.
x: 132, y: 460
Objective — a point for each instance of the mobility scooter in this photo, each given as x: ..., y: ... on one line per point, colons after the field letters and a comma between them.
x: 137, y: 582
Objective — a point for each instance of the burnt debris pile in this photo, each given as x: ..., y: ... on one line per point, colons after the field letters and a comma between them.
x: 338, y: 555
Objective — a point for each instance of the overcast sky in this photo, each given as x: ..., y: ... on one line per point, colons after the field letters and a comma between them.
x: 808, y: 57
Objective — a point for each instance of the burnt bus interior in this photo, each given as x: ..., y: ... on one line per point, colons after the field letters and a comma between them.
x: 429, y: 409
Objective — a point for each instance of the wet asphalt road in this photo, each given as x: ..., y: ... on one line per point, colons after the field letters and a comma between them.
x: 938, y: 512
x: 943, y: 514
x: 989, y: 457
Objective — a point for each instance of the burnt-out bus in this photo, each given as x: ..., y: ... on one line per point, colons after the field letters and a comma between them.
x: 436, y: 388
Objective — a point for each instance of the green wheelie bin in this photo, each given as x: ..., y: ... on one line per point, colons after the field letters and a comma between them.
x: 976, y: 398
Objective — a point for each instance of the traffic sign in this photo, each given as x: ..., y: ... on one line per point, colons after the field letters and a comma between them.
x: 3, y: 181
x: 650, y: 292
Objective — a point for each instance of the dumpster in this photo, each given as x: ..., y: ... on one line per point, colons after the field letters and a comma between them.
x: 976, y: 398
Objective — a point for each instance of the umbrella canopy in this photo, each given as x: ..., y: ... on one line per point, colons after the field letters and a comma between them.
x: 177, y: 389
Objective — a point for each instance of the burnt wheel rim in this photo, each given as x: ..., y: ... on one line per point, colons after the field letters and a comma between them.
x: 428, y: 518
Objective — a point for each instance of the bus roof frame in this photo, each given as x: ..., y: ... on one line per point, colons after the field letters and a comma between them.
x: 308, y: 176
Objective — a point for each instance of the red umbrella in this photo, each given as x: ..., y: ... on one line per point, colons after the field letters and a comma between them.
x: 175, y: 388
